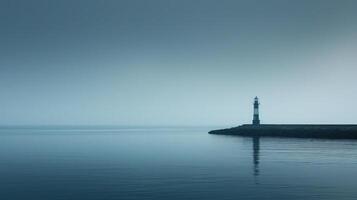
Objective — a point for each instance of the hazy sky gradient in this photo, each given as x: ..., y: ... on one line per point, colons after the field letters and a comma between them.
x: 177, y: 62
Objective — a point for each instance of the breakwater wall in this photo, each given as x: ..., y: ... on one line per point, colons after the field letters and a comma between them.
x: 293, y: 130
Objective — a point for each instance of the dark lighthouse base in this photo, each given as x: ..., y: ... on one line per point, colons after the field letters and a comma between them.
x: 296, y: 131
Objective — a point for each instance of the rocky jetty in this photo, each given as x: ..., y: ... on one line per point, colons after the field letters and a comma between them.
x: 293, y: 130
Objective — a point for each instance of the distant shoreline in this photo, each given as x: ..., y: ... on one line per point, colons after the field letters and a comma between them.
x: 327, y: 131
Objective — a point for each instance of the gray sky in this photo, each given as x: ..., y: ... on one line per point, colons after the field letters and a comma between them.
x: 177, y: 62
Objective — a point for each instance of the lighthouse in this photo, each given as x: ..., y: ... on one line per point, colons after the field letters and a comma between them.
x: 256, y: 120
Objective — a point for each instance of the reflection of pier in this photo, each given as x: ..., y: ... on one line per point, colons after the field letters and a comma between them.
x: 256, y: 155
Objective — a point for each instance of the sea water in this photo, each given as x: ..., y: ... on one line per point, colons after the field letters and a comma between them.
x: 100, y: 163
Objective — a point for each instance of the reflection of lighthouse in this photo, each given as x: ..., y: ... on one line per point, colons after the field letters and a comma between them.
x: 256, y: 155
x: 256, y: 120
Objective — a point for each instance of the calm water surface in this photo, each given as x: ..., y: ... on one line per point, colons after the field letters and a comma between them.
x: 170, y: 163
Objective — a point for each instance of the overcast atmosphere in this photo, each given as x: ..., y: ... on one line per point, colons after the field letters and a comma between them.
x: 182, y: 62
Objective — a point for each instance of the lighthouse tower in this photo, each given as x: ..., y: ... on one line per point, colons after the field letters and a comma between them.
x: 256, y: 120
